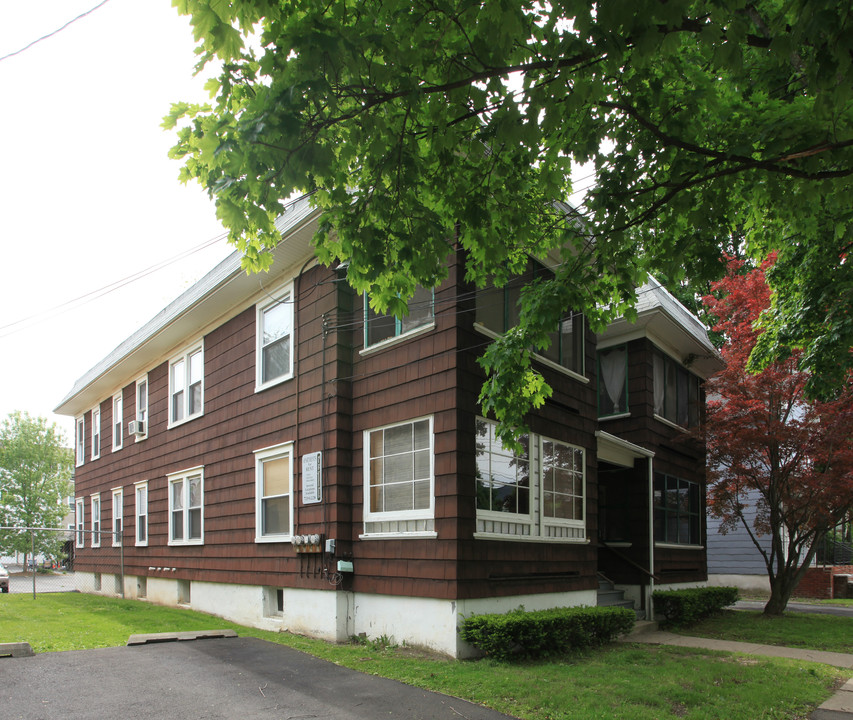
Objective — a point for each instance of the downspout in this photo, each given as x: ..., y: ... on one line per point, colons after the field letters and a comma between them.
x: 650, y: 589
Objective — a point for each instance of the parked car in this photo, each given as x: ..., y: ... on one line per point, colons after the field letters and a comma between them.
x: 4, y: 579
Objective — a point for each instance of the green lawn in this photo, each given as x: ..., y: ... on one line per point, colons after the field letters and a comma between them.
x: 619, y: 681
x: 794, y: 629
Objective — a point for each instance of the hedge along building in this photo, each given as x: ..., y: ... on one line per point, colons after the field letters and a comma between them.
x: 277, y: 454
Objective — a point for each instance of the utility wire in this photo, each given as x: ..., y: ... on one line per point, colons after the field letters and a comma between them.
x: 51, y: 34
x: 24, y: 323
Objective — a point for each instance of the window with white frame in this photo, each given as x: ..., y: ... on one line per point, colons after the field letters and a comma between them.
x: 141, y: 512
x: 274, y: 493
x: 378, y: 328
x: 96, y: 520
x: 118, y: 516
x: 118, y: 421
x: 274, y: 356
x: 80, y: 441
x: 186, y: 507
x: 80, y: 522
x: 399, y: 471
x: 96, y: 432
x: 142, y: 407
x: 677, y: 507
x: 186, y: 391
x: 537, y: 493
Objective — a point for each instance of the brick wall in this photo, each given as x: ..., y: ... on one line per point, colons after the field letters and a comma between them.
x: 824, y: 583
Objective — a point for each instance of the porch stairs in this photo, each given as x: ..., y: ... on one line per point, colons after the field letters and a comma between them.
x: 609, y: 596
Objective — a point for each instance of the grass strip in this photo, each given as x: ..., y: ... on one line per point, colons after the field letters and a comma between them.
x: 794, y: 629
x: 619, y: 681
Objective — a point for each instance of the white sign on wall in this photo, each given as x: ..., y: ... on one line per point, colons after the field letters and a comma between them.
x: 312, y: 478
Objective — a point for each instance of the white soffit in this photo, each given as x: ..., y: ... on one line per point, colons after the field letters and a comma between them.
x: 670, y: 325
x: 224, y: 290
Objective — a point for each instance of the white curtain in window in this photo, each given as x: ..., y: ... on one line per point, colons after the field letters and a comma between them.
x: 613, y: 369
x: 659, y: 382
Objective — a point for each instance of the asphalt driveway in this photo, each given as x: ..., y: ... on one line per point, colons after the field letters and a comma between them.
x: 212, y: 678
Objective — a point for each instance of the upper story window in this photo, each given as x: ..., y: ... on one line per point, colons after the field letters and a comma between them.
x: 141, y: 495
x: 274, y: 493
x: 676, y: 391
x: 677, y: 507
x: 399, y: 471
x: 79, y: 441
x: 96, y: 432
x: 141, y: 427
x: 186, y: 393
x: 186, y: 507
x: 118, y: 422
x: 498, y: 310
x: 538, y: 493
x: 379, y: 328
x: 274, y: 357
x: 613, y: 381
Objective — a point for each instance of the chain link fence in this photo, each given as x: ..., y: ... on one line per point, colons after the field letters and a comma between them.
x: 63, y: 560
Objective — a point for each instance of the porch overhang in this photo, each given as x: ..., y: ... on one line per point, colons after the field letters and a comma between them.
x: 618, y: 451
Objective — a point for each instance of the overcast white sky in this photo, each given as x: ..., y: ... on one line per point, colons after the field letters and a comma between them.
x: 88, y: 196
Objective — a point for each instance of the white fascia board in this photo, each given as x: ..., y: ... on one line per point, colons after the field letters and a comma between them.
x: 216, y: 294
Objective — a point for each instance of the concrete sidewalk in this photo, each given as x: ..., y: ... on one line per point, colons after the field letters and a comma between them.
x: 838, y: 707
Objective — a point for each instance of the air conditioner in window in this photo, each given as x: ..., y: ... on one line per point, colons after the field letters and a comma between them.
x: 136, y: 427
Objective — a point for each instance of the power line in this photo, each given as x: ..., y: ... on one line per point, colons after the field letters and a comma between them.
x: 26, y: 322
x: 51, y: 34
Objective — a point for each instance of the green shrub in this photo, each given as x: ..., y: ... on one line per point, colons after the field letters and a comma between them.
x: 545, y: 632
x: 682, y: 607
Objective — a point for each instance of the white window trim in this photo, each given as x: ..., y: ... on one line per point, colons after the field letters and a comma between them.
x: 559, y: 522
x: 183, y: 476
x: 139, y: 381
x: 80, y: 522
x: 424, y: 514
x: 118, y: 427
x: 79, y: 441
x: 136, y: 508
x: 95, y: 518
x: 260, y: 456
x: 479, y: 327
x: 118, y: 504
x: 398, y: 339
x: 535, y: 520
x: 282, y: 295
x: 96, y: 451
x: 185, y: 356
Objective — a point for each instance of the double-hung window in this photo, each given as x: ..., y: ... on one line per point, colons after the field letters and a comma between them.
x: 96, y: 520
x: 399, y: 486
x: 677, y: 507
x: 186, y: 391
x: 379, y: 328
x: 118, y: 516
x: 274, y: 354
x: 186, y: 507
x: 80, y: 523
x: 80, y: 441
x: 499, y: 309
x: 142, y: 408
x: 141, y: 510
x: 274, y: 493
x: 96, y: 432
x: 537, y: 493
x: 118, y: 421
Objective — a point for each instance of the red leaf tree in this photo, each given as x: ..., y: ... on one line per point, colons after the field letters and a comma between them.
x: 769, y: 445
